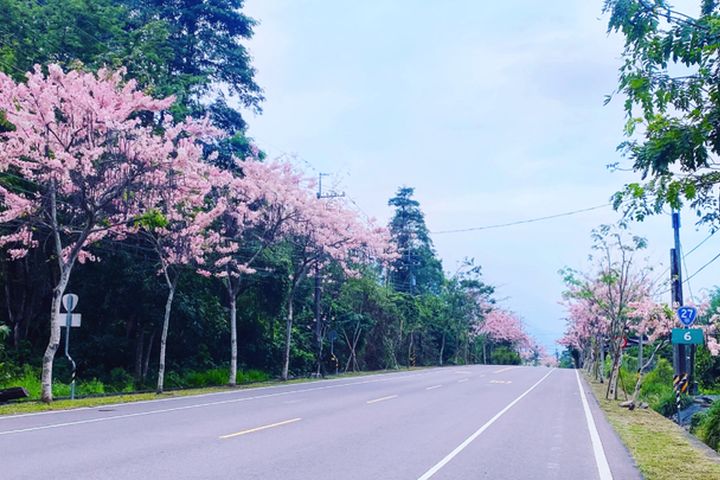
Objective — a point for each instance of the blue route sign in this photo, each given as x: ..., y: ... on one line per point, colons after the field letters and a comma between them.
x: 687, y: 315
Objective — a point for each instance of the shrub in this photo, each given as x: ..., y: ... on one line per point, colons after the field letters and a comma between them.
x: 504, y: 356
x: 252, y: 376
x: 212, y: 377
x: 121, y: 381
x: 708, y: 429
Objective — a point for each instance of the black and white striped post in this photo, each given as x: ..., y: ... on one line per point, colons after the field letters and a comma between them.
x: 680, y: 385
x: 70, y: 301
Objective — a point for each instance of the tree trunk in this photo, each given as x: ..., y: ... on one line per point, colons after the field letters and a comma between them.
x: 641, y: 373
x: 614, y: 373
x: 484, y: 351
x: 288, y: 335
x: 139, y: 346
x: 54, y: 342
x: 411, y: 343
x: 351, y: 347
x: 148, y: 352
x: 163, y: 336
x: 442, y: 349
x: 232, y: 380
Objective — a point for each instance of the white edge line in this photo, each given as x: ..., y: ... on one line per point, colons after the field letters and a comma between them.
x: 193, y: 406
x: 600, y: 458
x: 435, y: 468
x: 381, y: 399
x: 351, y: 381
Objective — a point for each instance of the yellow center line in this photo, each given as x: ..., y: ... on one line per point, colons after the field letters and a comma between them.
x: 463, y: 380
x: 381, y: 399
x: 257, y: 429
x: 433, y: 387
x: 504, y: 369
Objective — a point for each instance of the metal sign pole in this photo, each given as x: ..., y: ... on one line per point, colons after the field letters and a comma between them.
x: 69, y: 306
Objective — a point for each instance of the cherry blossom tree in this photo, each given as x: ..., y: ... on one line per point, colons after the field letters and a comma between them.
x: 654, y: 321
x: 500, y: 325
x: 599, y: 301
x: 327, y: 232
x: 87, y: 163
x: 177, y: 224
x: 261, y: 207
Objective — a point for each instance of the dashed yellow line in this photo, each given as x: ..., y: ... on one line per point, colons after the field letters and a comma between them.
x: 463, y: 380
x: 433, y: 387
x: 381, y: 399
x: 504, y: 369
x: 257, y: 429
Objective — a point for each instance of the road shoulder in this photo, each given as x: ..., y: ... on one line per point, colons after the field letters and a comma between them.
x: 659, y: 448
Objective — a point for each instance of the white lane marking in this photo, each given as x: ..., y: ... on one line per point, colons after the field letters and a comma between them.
x: 462, y: 372
x: 193, y: 406
x: 435, y: 468
x: 463, y: 380
x: 381, y: 399
x: 387, y: 376
x: 600, y: 458
x: 502, y: 382
x: 433, y: 387
x: 257, y: 429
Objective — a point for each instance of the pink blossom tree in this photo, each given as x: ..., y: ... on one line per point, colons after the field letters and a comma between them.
x: 261, y: 207
x: 654, y: 321
x: 500, y: 325
x: 600, y: 301
x: 328, y: 232
x: 180, y: 213
x: 79, y: 143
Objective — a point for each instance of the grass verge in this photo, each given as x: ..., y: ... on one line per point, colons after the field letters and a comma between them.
x: 661, y: 449
x: 15, y: 408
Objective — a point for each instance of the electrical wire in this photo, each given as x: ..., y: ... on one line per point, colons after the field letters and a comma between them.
x: 702, y: 268
x: 685, y: 255
x: 687, y: 275
x: 521, y: 222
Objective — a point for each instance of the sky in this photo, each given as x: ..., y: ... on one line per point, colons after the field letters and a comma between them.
x: 492, y: 111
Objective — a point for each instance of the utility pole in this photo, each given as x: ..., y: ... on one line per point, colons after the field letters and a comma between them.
x: 318, y: 285
x: 683, y: 355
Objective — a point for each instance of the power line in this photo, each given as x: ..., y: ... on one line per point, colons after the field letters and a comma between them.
x: 687, y: 275
x: 685, y: 255
x: 521, y: 222
x: 702, y: 268
x: 694, y: 274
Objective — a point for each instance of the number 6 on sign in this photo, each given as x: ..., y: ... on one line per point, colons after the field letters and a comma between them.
x: 687, y: 337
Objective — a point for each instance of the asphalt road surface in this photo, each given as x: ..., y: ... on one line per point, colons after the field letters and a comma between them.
x: 454, y: 423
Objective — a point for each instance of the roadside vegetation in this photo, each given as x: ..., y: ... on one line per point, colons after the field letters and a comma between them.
x: 198, y: 261
x: 661, y: 449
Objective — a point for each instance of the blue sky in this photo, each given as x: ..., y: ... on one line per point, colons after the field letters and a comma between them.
x: 492, y: 111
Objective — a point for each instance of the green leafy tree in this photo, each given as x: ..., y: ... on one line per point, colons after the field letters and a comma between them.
x: 671, y: 81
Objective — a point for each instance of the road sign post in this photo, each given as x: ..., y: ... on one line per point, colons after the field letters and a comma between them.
x: 70, y: 301
x: 687, y: 315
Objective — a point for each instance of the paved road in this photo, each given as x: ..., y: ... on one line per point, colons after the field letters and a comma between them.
x: 452, y: 423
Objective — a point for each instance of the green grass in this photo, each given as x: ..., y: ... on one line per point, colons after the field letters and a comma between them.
x: 661, y: 449
x: 37, y: 406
